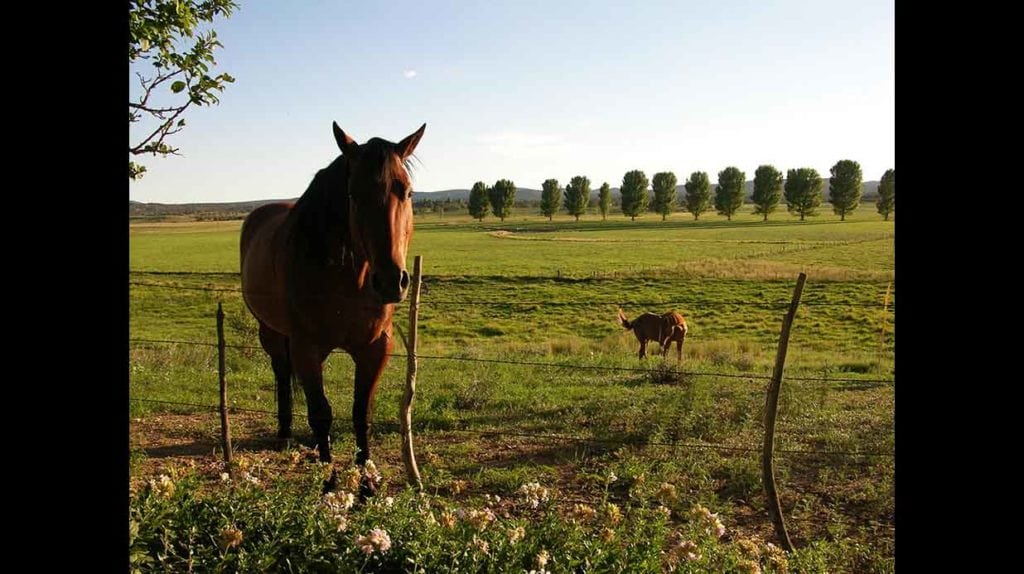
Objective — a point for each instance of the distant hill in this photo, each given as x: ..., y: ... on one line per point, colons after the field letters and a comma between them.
x: 233, y: 210
x: 523, y: 194
x: 237, y: 210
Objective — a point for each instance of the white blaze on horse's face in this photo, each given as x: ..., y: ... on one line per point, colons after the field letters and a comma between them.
x: 380, y: 212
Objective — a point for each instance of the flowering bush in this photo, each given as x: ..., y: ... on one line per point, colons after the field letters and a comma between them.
x: 242, y: 526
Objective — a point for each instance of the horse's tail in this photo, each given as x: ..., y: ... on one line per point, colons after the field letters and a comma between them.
x: 625, y: 322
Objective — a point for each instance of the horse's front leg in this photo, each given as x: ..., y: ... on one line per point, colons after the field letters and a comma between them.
x: 370, y: 362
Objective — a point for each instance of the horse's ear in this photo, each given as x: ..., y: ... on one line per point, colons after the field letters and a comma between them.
x: 406, y: 146
x: 346, y: 144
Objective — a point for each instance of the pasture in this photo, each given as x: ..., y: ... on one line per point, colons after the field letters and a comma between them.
x: 503, y: 304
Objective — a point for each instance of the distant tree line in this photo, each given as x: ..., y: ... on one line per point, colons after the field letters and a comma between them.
x: 439, y: 206
x: 800, y: 189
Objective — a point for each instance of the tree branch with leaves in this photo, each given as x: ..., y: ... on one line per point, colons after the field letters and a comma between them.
x: 166, y: 34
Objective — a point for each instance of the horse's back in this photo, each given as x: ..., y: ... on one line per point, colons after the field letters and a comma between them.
x: 674, y: 318
x: 262, y: 277
x: 647, y: 326
x: 260, y: 220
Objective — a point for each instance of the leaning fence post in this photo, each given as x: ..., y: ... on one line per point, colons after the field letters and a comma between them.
x: 771, y: 406
x: 225, y: 425
x: 408, y: 457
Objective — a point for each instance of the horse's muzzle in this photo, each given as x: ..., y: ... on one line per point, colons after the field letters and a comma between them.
x: 391, y: 288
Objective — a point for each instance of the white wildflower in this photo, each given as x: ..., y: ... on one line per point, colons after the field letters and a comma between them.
x: 230, y: 537
x: 685, y: 550
x: 447, y: 519
x: 516, y: 534
x: 480, y: 545
x: 479, y: 519
x: 371, y: 475
x: 377, y: 540
x: 457, y: 486
x: 163, y: 486
x: 667, y: 492
x: 582, y: 513
x: 340, y: 522
x: 533, y: 494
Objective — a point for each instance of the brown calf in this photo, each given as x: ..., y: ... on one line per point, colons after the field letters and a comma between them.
x: 664, y: 329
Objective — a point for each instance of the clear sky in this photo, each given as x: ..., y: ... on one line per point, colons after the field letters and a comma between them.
x: 531, y: 90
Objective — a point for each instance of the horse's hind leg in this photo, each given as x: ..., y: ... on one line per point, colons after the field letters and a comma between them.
x: 276, y: 345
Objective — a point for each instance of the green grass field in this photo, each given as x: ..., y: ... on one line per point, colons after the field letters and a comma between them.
x: 527, y: 290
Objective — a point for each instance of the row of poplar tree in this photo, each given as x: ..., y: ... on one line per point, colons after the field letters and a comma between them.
x: 801, y: 190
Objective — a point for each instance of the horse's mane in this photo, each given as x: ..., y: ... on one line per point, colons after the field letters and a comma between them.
x: 321, y: 214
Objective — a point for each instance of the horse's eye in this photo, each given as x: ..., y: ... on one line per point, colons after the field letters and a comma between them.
x: 404, y: 193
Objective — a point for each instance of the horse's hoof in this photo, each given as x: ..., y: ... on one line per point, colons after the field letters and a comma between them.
x: 284, y: 443
x: 331, y: 484
x: 366, y: 491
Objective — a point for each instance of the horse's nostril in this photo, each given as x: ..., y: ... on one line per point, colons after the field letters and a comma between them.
x: 405, y: 280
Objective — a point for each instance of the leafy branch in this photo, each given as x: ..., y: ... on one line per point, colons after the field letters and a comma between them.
x: 164, y: 33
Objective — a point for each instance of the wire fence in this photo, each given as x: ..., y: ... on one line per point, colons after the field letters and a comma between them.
x: 849, y: 457
x: 891, y: 307
x: 574, y: 366
x: 722, y: 374
x: 556, y: 437
x: 238, y: 274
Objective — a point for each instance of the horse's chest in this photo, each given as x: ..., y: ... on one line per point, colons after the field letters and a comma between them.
x: 335, y: 309
x: 355, y: 327
x: 343, y: 323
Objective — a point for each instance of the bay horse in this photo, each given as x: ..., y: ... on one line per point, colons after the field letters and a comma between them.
x: 664, y: 329
x: 325, y: 272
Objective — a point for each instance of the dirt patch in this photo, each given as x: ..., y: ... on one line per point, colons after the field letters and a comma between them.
x: 167, y: 443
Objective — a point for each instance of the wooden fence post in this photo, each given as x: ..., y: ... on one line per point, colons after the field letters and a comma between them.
x: 771, y: 406
x: 408, y: 457
x: 225, y: 425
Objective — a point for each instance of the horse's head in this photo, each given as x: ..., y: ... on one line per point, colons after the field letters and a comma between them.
x: 380, y: 207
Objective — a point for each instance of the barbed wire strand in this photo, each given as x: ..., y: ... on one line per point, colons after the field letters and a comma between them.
x: 555, y: 303
x: 750, y: 375
x: 621, y: 441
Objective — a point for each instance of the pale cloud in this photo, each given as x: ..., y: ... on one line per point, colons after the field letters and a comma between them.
x: 409, y: 74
